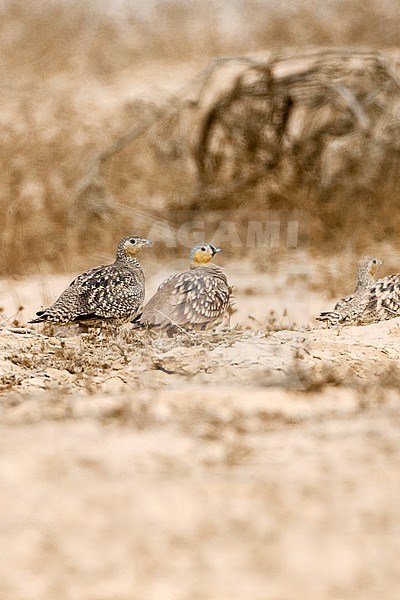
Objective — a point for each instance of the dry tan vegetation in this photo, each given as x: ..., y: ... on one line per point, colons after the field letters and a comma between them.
x: 257, y: 463
x: 75, y: 80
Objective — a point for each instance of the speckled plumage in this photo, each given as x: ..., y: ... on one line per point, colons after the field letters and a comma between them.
x: 382, y: 300
x: 196, y: 299
x: 348, y: 310
x: 106, y: 294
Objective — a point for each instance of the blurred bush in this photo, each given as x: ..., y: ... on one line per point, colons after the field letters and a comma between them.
x: 76, y: 173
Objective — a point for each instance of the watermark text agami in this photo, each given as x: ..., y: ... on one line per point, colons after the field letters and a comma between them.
x: 266, y: 229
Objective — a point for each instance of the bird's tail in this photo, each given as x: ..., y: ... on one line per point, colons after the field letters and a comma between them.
x: 42, y: 317
x: 136, y: 322
x: 331, y: 318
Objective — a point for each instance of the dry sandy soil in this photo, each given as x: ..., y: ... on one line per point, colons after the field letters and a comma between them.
x: 257, y: 463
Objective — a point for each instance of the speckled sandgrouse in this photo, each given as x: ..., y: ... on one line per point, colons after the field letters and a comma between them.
x: 107, y: 294
x: 195, y: 300
x: 348, y: 310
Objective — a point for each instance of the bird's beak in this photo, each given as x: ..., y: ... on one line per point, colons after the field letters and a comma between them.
x: 217, y: 250
x: 147, y: 242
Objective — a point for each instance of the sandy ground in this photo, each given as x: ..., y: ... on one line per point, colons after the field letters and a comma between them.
x: 245, y: 464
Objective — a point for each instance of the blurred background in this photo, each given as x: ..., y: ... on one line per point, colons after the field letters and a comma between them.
x: 117, y: 113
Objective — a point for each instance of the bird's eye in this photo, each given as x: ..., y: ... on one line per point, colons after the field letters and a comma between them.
x: 374, y: 261
x: 132, y: 241
x: 203, y: 249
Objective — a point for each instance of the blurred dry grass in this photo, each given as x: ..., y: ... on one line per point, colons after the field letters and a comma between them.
x: 63, y: 70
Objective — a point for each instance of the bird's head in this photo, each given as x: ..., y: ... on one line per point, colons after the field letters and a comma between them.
x: 129, y: 246
x: 371, y: 264
x: 201, y: 254
x: 367, y: 268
